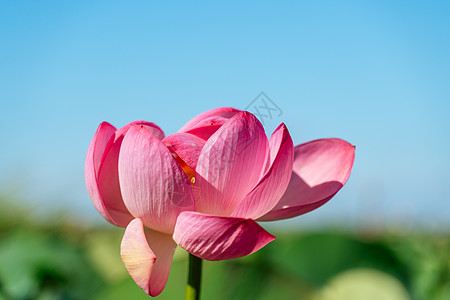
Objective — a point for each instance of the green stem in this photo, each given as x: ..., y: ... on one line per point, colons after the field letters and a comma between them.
x: 194, y: 278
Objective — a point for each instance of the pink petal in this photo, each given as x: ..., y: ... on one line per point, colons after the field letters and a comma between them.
x: 272, y: 186
x: 100, y: 142
x: 230, y: 165
x: 101, y: 176
x: 152, y: 127
x: 223, y: 112
x: 104, y: 186
x: 185, y: 146
x: 321, y: 168
x: 147, y: 255
x: 218, y: 238
x: 154, y: 186
x: 207, y: 127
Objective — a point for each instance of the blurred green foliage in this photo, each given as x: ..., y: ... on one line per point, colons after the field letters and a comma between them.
x: 66, y: 260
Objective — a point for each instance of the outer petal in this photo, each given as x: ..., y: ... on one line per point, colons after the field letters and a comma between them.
x: 321, y: 168
x: 230, y: 165
x: 218, y: 238
x: 186, y: 146
x: 103, y: 186
x: 223, y: 112
x: 154, y: 186
x: 147, y: 255
x: 272, y: 186
x: 102, y: 174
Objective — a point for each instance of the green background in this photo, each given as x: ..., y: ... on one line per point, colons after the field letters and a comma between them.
x: 68, y: 260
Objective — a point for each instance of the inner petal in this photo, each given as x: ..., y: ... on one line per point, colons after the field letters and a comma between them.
x: 190, y: 173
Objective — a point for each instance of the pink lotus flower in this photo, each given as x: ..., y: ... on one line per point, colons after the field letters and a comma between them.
x: 205, y: 187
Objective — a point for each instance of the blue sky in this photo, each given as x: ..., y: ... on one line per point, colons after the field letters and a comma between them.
x: 376, y: 74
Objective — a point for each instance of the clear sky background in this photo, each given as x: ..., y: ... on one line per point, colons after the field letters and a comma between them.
x: 376, y: 74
